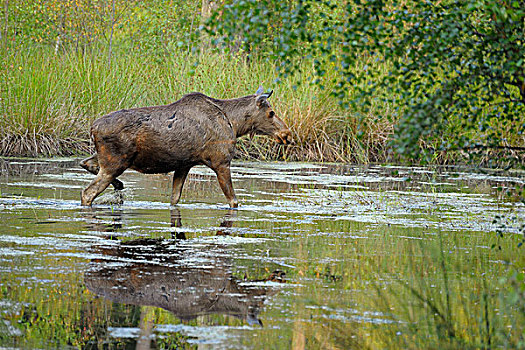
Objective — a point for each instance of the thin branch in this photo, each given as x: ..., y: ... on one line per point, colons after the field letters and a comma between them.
x: 509, y: 101
x: 487, y: 147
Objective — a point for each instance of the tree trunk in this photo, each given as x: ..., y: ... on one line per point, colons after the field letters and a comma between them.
x: 112, y: 31
x: 6, y: 25
x: 207, y: 7
x: 57, y: 44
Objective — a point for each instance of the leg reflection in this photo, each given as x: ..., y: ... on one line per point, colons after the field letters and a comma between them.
x: 227, y: 223
x: 176, y: 222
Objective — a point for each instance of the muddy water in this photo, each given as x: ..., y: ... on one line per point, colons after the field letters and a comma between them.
x: 312, y: 258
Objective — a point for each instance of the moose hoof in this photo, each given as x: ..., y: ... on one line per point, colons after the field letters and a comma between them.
x: 118, y: 185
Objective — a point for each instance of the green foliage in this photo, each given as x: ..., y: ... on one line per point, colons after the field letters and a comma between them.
x: 144, y: 24
x: 263, y: 26
x: 48, y: 100
x: 440, y: 77
x: 455, y: 68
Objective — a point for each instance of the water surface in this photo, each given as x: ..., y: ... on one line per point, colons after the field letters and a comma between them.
x: 316, y: 256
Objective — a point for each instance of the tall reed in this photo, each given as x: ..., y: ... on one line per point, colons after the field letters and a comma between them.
x: 48, y: 100
x: 436, y: 308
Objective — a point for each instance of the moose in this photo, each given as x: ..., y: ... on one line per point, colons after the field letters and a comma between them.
x: 195, y: 130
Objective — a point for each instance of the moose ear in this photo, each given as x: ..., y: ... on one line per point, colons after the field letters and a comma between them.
x: 261, y: 100
x: 262, y: 97
x: 259, y: 91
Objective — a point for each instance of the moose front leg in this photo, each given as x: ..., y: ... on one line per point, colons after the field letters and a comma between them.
x: 179, y: 177
x: 225, y: 181
x: 99, y: 184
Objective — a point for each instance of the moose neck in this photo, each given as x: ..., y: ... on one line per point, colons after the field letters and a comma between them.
x: 236, y: 110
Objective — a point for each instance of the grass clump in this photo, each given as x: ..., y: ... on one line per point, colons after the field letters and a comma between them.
x: 436, y: 308
x: 48, y: 100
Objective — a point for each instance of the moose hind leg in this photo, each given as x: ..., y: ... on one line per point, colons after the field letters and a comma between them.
x: 91, y: 165
x: 225, y: 181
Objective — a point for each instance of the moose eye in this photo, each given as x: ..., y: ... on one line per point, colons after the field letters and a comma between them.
x: 271, y: 115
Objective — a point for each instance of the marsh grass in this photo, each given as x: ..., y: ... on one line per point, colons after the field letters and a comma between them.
x: 438, y: 307
x: 48, y: 101
x: 431, y: 289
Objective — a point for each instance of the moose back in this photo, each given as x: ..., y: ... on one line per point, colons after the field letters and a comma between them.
x: 194, y: 130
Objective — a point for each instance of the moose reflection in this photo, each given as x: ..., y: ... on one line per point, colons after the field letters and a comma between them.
x: 177, y: 275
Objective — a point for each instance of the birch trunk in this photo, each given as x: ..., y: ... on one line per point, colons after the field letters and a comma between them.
x: 6, y: 25
x: 112, y: 31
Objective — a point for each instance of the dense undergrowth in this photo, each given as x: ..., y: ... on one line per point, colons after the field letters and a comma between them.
x: 48, y: 100
x: 63, y: 64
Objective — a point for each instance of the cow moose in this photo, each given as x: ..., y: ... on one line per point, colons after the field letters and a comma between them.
x: 195, y: 130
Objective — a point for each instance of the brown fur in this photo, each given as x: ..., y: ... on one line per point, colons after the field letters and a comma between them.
x: 194, y: 130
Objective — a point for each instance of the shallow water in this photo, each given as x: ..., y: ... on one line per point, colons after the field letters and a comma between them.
x: 300, y: 264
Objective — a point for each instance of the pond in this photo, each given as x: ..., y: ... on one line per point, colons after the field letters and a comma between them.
x: 316, y: 256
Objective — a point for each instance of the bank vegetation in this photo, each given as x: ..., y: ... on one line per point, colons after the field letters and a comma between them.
x: 66, y: 63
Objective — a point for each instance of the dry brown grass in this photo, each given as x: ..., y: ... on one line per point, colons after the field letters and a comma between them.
x: 48, y: 102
